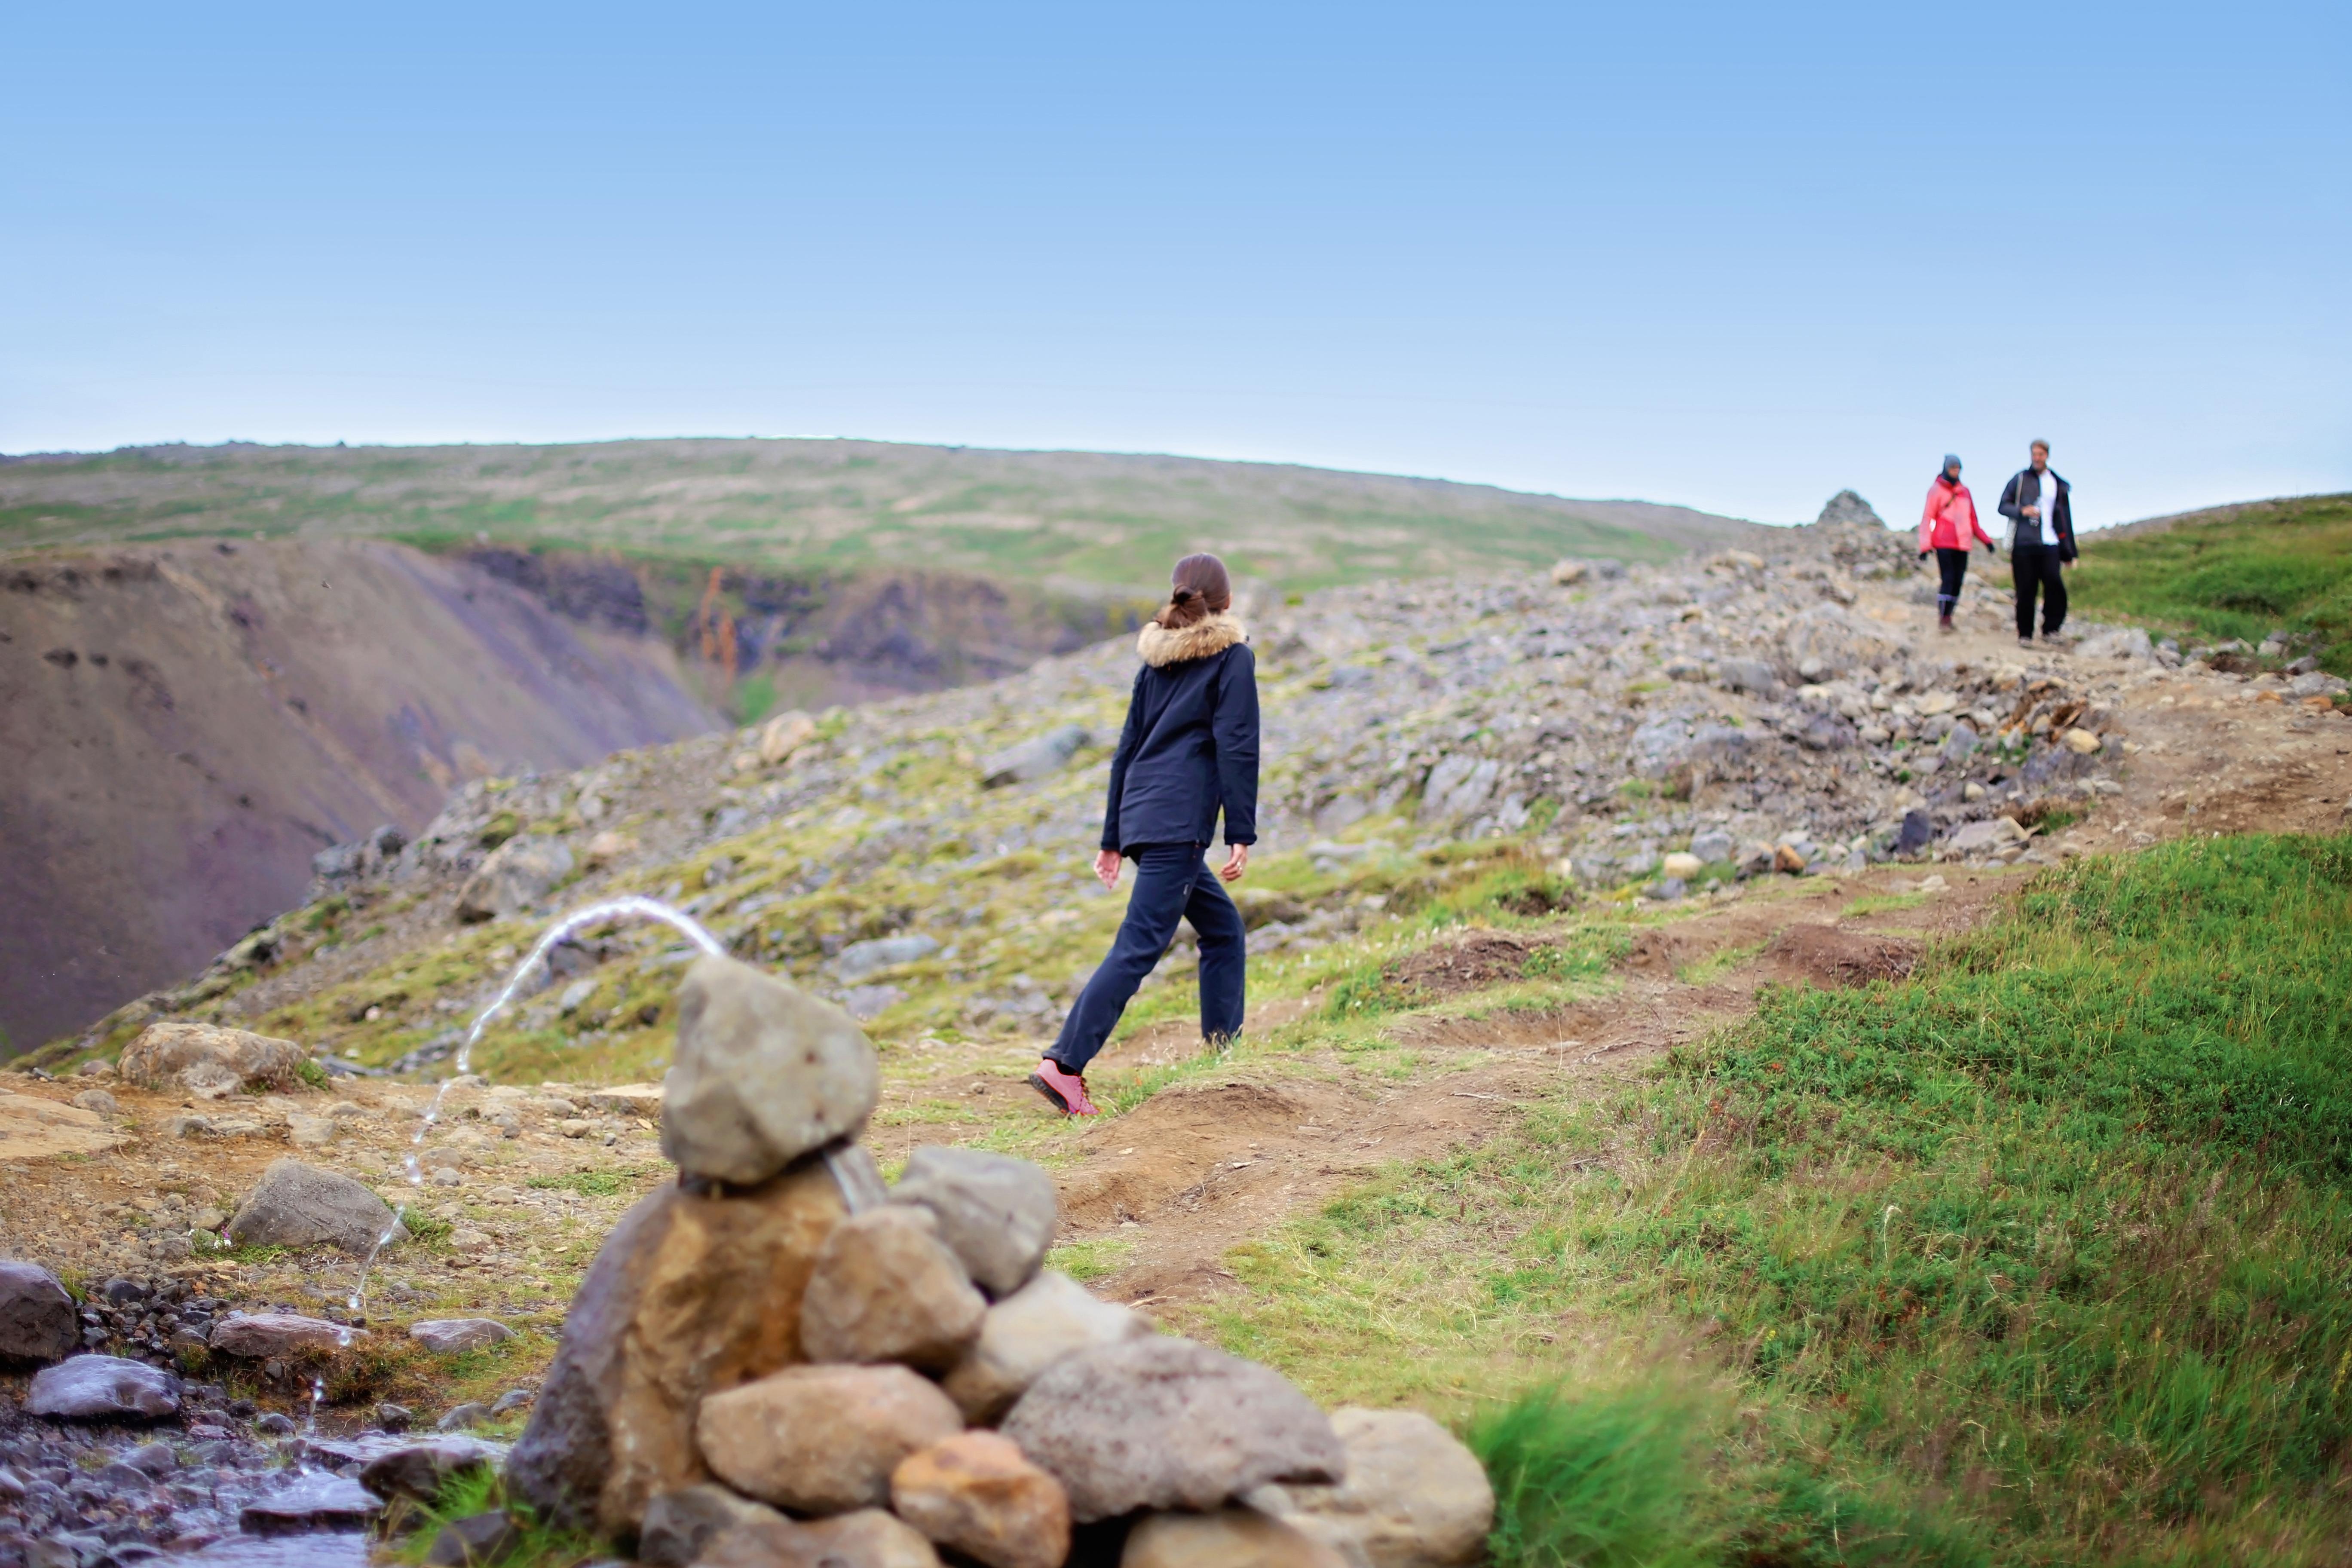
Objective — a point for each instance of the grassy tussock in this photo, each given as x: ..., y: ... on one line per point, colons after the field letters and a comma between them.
x: 2037, y: 1257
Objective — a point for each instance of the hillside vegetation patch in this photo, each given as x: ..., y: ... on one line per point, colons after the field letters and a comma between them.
x: 2242, y: 573
x: 2036, y: 1256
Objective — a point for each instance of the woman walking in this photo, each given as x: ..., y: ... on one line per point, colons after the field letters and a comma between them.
x: 1950, y: 510
x: 1189, y: 750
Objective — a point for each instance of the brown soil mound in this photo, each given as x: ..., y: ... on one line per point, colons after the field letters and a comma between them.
x: 1481, y: 959
x: 1834, y: 959
x: 1172, y: 1142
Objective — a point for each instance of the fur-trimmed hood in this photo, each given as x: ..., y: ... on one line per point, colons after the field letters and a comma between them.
x: 1160, y: 647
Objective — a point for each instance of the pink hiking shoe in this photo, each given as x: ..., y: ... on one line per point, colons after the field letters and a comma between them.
x: 1066, y: 1090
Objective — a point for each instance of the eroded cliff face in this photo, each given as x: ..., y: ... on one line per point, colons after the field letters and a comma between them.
x: 758, y: 635
x: 182, y: 726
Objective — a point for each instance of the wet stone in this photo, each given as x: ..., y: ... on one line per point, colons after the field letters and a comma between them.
x: 258, y: 1336
x: 419, y: 1470
x: 473, y: 1542
x: 311, y: 1501
x: 102, y: 1387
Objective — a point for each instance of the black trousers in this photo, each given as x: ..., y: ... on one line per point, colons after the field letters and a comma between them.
x: 2034, y: 564
x: 1954, y: 566
x: 1172, y: 883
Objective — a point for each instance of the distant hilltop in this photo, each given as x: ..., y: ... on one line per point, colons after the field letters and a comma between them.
x: 1079, y: 520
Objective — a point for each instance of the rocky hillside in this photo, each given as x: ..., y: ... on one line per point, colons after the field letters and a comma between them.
x: 1080, y: 519
x: 922, y: 860
x: 1525, y: 836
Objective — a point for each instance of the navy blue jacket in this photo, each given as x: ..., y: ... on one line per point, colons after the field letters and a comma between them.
x: 1189, y: 746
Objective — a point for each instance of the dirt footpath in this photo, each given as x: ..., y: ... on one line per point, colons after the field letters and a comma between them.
x: 1195, y: 1170
x: 1223, y: 1152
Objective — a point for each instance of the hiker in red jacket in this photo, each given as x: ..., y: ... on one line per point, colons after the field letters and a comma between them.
x: 1944, y: 527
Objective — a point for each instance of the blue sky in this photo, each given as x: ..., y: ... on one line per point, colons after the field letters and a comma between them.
x: 1737, y: 258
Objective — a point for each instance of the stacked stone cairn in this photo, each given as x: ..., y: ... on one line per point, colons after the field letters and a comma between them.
x: 780, y: 1362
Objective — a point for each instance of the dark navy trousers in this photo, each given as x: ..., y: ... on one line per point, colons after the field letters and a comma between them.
x: 1172, y: 883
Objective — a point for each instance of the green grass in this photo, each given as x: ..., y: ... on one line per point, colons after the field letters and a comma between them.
x: 1650, y: 1475
x: 2241, y: 573
x: 589, y: 1184
x: 1091, y: 1259
x: 2039, y: 1257
x: 478, y: 1491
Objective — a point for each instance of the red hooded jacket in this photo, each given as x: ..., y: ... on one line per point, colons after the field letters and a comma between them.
x: 1949, y: 506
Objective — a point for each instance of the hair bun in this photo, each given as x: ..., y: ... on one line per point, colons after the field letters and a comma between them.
x: 1184, y: 597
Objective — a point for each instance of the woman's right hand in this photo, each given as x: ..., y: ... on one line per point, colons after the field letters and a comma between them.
x: 1106, y: 867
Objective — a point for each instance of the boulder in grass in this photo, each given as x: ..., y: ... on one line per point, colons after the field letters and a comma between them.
x: 764, y: 1073
x: 259, y: 1336
x: 210, y: 1061
x: 860, y: 958
x: 295, y: 1205
x: 995, y: 1212
x: 785, y: 733
x: 476, y: 1541
x: 451, y: 1335
x: 886, y: 1289
x: 1033, y: 760
x: 519, y: 873
x: 419, y: 1469
x: 1166, y: 1423
x: 37, y: 1321
x: 822, y: 1439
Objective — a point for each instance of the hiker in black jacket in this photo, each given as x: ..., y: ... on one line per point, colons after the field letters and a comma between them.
x: 2041, y: 541
x: 1188, y: 752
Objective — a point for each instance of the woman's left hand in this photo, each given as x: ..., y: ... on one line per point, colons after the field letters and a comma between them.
x: 1237, y: 862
